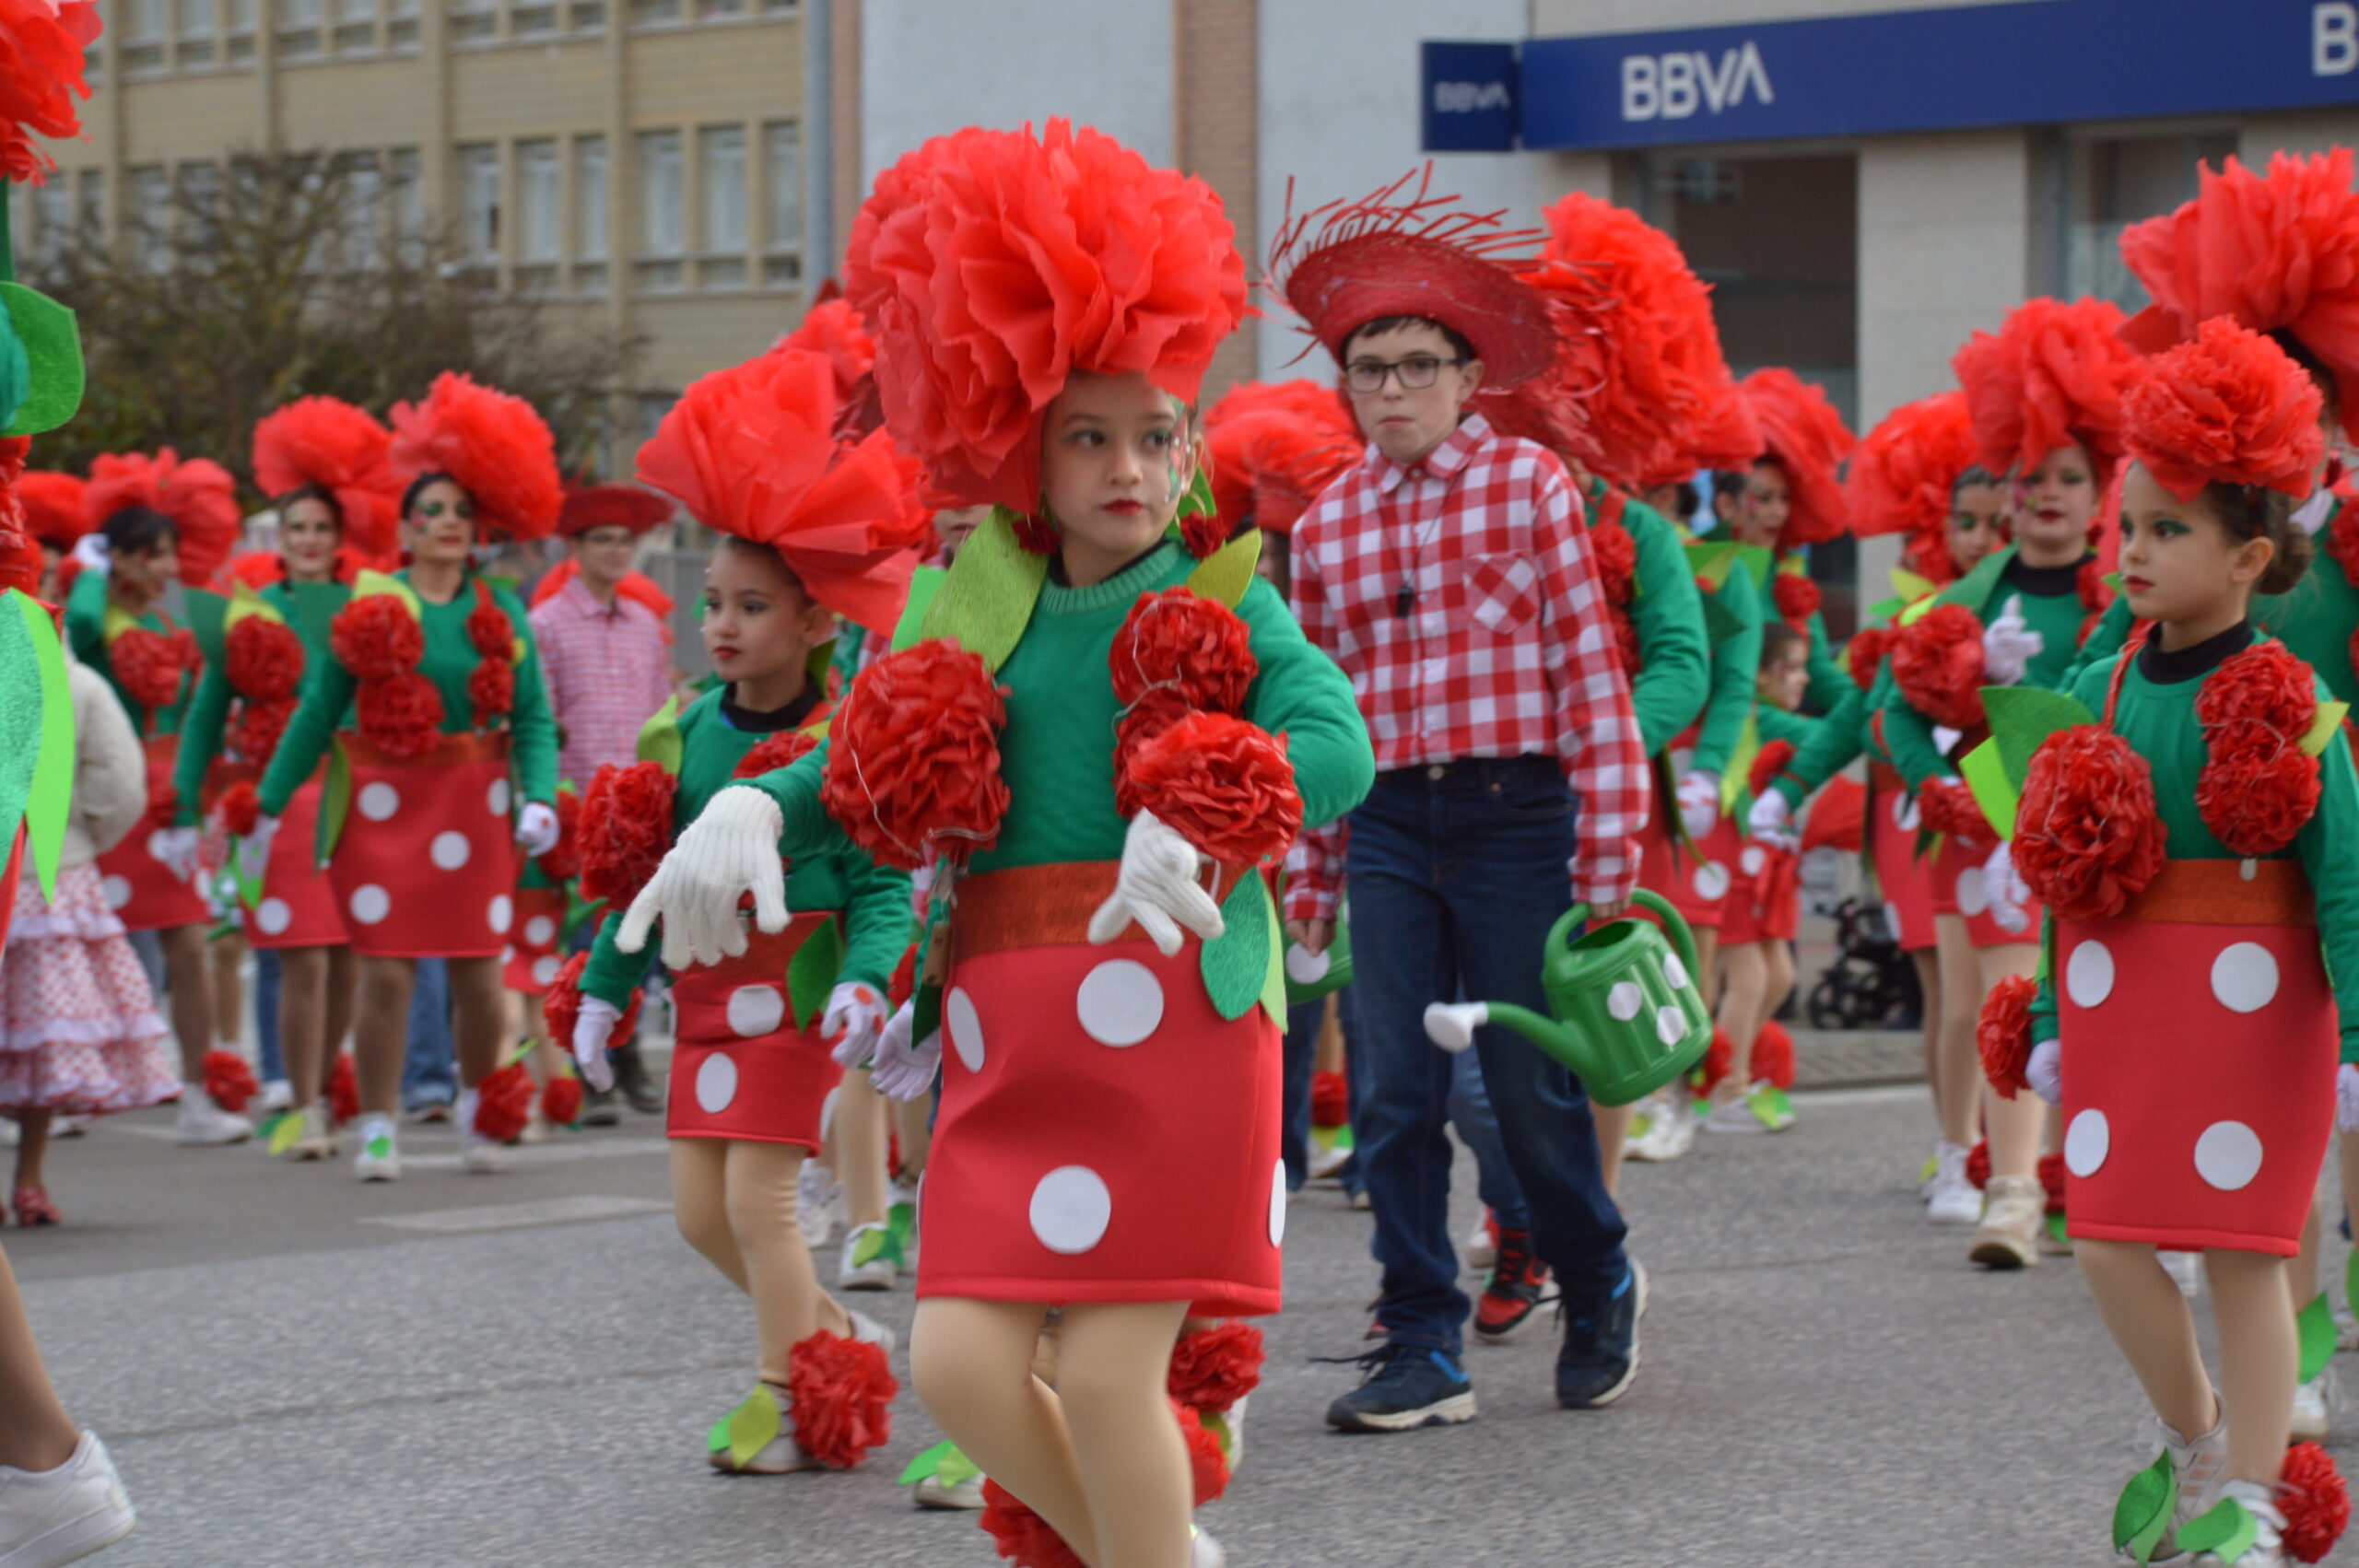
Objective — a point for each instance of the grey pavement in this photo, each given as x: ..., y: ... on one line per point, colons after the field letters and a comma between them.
x: 294, y: 1370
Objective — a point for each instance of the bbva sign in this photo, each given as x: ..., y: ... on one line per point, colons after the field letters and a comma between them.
x: 1673, y: 86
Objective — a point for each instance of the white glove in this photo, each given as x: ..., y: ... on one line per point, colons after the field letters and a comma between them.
x: 730, y: 849
x: 2009, y: 645
x: 2006, y: 889
x: 251, y: 855
x: 856, y: 1013
x: 1699, y: 804
x: 95, y: 554
x: 1771, y: 821
x: 1157, y: 888
x: 537, y: 828
x: 2044, y: 1071
x: 593, y: 1026
x: 176, y: 847
x: 2346, y: 1097
x: 904, y: 1070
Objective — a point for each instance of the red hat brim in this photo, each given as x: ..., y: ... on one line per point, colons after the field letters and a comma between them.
x: 1342, y: 287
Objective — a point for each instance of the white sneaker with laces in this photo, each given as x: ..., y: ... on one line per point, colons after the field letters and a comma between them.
x: 868, y: 1331
x: 1733, y: 1115
x: 863, y: 1266
x: 966, y: 1495
x: 2313, y: 1404
x: 2268, y: 1549
x: 478, y: 1155
x: 2014, y: 1208
x: 202, y: 1121
x: 1954, y: 1200
x: 1654, y: 1141
x: 51, y: 1517
x: 1206, y: 1553
x: 780, y: 1455
x: 277, y: 1095
x: 2186, y: 1270
x: 2200, y: 1463
x: 1481, y: 1251
x: 317, y: 1139
x: 381, y: 1155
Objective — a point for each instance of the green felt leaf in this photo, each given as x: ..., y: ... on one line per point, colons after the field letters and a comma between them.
x: 522, y: 1052
x: 49, y: 799
x: 986, y: 601
x: 206, y: 614
x: 2144, y: 1503
x: 811, y: 973
x: 1217, y: 1423
x: 2227, y: 1532
x: 16, y: 371
x: 752, y: 1427
x: 716, y: 1437
x: 1739, y: 771
x: 1720, y: 623
x: 281, y: 1131
x: 957, y: 1468
x: 20, y: 722
x: 1236, y: 963
x: 2350, y: 1280
x: 2056, y: 1231
x: 381, y: 1146
x: 2022, y: 716
x: 1273, y: 977
x: 1198, y: 501
x: 1986, y: 775
x: 1711, y: 561
x: 1229, y: 571
x: 2313, y: 1327
x: 335, y: 801
x: 659, y: 738
x: 903, y: 1218
x: 924, y: 583
x: 928, y: 1463
x: 1883, y: 610
x: 1758, y: 559
x: 51, y: 347
x: 882, y: 1242
x: 1772, y: 1106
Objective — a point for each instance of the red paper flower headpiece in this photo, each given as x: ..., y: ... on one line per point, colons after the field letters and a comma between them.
x: 1303, y: 398
x: 42, y: 46
x: 2229, y: 406
x: 834, y: 328
x: 328, y: 442
x: 994, y: 264
x: 56, y: 506
x: 1267, y: 468
x: 1725, y: 435
x: 492, y: 444
x: 198, y: 496
x: 750, y: 450
x: 2051, y: 375
x: 1802, y: 432
x: 611, y: 506
x: 1903, y: 476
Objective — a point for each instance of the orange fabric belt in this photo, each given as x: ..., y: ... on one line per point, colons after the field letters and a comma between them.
x: 2218, y: 893
x: 469, y: 745
x: 1028, y: 907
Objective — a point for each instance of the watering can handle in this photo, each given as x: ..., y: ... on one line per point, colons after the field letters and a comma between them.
x: 1569, y: 925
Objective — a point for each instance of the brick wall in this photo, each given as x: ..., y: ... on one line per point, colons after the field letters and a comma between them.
x: 1216, y: 90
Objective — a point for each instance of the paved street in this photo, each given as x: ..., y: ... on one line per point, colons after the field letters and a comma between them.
x: 293, y: 1369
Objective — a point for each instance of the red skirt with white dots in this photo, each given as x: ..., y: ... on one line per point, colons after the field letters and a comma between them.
x: 1698, y: 879
x: 143, y: 890
x: 426, y: 864
x: 1104, y: 1134
x: 1906, y: 881
x: 298, y: 907
x: 533, y: 958
x: 2199, y: 1041
x: 1955, y: 870
x: 740, y: 1068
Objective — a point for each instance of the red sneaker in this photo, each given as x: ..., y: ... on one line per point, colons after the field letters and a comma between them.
x: 1519, y: 1287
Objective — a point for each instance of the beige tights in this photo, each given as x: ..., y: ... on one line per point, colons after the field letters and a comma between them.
x: 862, y: 1138
x: 735, y: 1203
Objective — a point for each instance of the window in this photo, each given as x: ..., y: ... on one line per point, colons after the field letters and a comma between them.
x: 239, y: 16
x: 356, y: 25
x: 90, y: 198
x: 151, y: 216
x: 588, y: 15
x: 537, y: 207
x: 364, y: 193
x: 472, y: 19
x: 525, y: 20
x: 662, y: 209
x: 589, y: 198
x: 775, y: 5
x: 299, y: 27
x: 721, y: 7
x: 721, y: 164
x: 479, y: 202
x: 2114, y: 182
x: 645, y: 11
x: 408, y: 191
x: 53, y: 215
x: 199, y: 188
x: 782, y: 177
x: 143, y: 21
x: 192, y: 18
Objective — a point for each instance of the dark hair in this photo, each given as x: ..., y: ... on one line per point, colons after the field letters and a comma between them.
x: 1685, y: 500
x: 1458, y: 343
x: 2253, y: 512
x: 2312, y: 366
x: 312, y: 491
x: 136, y: 530
x: 1776, y: 637
x: 417, y: 487
x: 1728, y: 484
x: 769, y: 552
x: 1971, y: 475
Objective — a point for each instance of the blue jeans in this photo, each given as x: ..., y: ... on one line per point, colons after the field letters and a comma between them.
x: 429, y: 1071
x: 273, y: 1059
x: 1478, y: 1129
x: 1454, y: 883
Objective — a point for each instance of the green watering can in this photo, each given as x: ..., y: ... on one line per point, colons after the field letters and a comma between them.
x: 1629, y: 1018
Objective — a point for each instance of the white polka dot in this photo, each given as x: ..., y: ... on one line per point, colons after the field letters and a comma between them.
x: 497, y: 797
x: 1710, y: 880
x: 449, y: 850
x: 2086, y: 1143
x: 2228, y: 1156
x: 2088, y: 973
x: 1674, y: 971
x: 2244, y: 977
x: 118, y: 891
x: 371, y: 904
x: 966, y: 1026
x: 1305, y: 967
x: 379, y: 801
x: 1906, y: 814
x: 1070, y: 1209
x: 1752, y: 860
x: 502, y: 911
x: 1278, y: 1205
x: 1624, y: 1000
x: 716, y: 1084
x: 756, y: 1010
x: 540, y: 931
x: 272, y: 915
x: 157, y: 845
x: 1120, y: 1003
x: 545, y: 970
x: 1972, y: 899
x: 1670, y: 1024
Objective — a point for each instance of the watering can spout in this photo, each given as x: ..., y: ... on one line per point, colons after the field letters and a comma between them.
x: 1451, y: 1025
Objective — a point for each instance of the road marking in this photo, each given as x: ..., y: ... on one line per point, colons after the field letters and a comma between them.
x: 1883, y: 1094
x: 524, y: 1216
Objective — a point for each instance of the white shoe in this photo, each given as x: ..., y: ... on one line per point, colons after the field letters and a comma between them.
x: 1734, y: 1116
x: 868, y: 1331
x: 818, y: 1204
x: 2186, y: 1270
x: 66, y: 1127
x: 478, y: 1155
x: 277, y: 1095
x: 380, y: 1156
x: 2015, y: 1210
x: 1325, y: 1163
x: 2268, y: 1549
x: 966, y: 1495
x: 780, y: 1455
x: 1954, y: 1200
x: 1481, y: 1251
x: 1668, y: 1130
x: 2312, y: 1405
x: 536, y: 1126
x: 2200, y: 1463
x: 202, y: 1121
x: 49, y: 1517
x: 864, y: 1267
x: 317, y: 1139
x: 1206, y: 1552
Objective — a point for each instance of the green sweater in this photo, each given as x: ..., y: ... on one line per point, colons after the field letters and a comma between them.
x: 208, y: 710
x: 1736, y: 669
x: 2159, y: 721
x: 1986, y: 591
x: 450, y: 659
x: 85, y: 630
x: 1666, y: 609
x: 874, y: 900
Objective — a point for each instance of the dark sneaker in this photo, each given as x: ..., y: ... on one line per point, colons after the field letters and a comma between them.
x: 1600, y: 1357
x: 1518, y: 1288
x: 1407, y: 1387
x: 601, y: 1108
x: 643, y: 1093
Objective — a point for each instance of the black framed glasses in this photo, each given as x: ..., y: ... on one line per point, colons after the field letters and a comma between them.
x: 1418, y: 372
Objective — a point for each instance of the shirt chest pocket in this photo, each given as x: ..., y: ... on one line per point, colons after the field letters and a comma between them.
x: 1502, y: 593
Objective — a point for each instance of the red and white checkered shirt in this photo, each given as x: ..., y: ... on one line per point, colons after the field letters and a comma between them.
x: 1506, y: 649
x: 607, y: 670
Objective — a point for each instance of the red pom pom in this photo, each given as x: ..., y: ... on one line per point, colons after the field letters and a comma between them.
x: 2258, y: 787
x: 1617, y: 561
x: 2052, y: 1181
x: 2254, y: 806
x: 400, y: 716
x: 1330, y: 1099
x: 562, y: 1099
x: 491, y: 690
x: 781, y: 750
x: 1224, y: 784
x: 626, y: 829
x: 489, y: 631
x: 1866, y: 653
x: 504, y: 1103
x: 2316, y: 1502
x: 843, y: 1393
x: 262, y: 658
x: 240, y: 807
x: 229, y: 1080
x: 2088, y: 834
x: 344, y: 1090
x: 1797, y: 596
x: 2003, y: 1033
x: 1213, y: 1368
x: 1768, y: 763
x: 561, y: 1006
x: 1977, y: 1164
x: 375, y: 636
x: 1023, y: 1538
x: 1948, y: 807
x: 1207, y: 1460
x: 149, y: 665
x: 1202, y: 534
x: 562, y: 860
x: 2228, y: 406
x: 1036, y: 535
x: 254, y: 735
x: 1937, y: 663
x: 913, y: 766
x: 1183, y: 643
x: 1718, y: 1057
x: 1773, y: 1055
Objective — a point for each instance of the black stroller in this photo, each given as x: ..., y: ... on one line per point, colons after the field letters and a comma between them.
x: 1871, y: 983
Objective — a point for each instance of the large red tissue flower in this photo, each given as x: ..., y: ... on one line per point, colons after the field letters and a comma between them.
x: 240, y: 808
x: 1803, y: 435
x: 504, y: 1103
x: 2255, y: 805
x: 44, y: 44
x: 2052, y: 374
x: 54, y: 506
x: 343, y: 448
x: 561, y: 861
x: 491, y: 690
x: 562, y: 1099
x: 2088, y: 835
x: 229, y: 1080
x: 625, y: 829
x: 375, y: 635
x: 2261, y: 698
x: 1207, y: 1460
x: 344, y: 1090
x: 1213, y: 1368
x: 1330, y: 1099
x: 1617, y: 561
x: 1023, y: 1538
x: 149, y: 665
x: 2315, y: 1502
x: 1865, y: 654
x: 254, y: 734
x: 842, y: 1392
x: 1768, y: 763
x: 781, y: 750
x: 1949, y: 808
x: 198, y: 496
x: 2002, y: 1032
x: 400, y: 716
x: 494, y: 446
x: 1222, y: 784
x: 561, y: 1005
x: 2051, y: 1180
x: 1773, y: 1055
x: 1904, y: 474
x: 2257, y: 787
x: 1183, y: 643
x: 994, y: 264
x: 913, y: 758
x: 1718, y: 1057
x: 2229, y: 407
x: 833, y: 329
x: 1269, y: 463
x: 1937, y: 663
x: 1797, y: 596
x: 264, y: 659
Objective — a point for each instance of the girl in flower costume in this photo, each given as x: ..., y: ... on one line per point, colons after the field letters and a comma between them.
x: 811, y: 531
x: 2043, y: 393
x: 445, y: 757
x: 2193, y: 844
x: 1087, y: 724
x: 155, y: 519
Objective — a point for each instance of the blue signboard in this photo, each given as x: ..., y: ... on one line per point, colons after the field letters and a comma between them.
x: 1470, y: 93
x: 2036, y: 62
